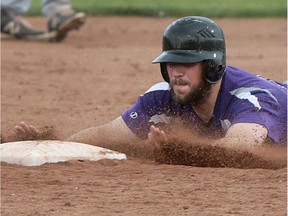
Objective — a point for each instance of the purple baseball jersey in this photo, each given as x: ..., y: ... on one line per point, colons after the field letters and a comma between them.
x: 243, y: 98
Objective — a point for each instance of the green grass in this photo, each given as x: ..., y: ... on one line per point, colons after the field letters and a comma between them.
x: 172, y: 8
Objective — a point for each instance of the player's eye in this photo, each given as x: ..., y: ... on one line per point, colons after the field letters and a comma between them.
x: 171, y: 65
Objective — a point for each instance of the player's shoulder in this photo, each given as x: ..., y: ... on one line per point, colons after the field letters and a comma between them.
x: 161, y: 86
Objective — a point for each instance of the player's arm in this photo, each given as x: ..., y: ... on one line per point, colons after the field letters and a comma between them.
x: 238, y: 135
x: 114, y: 132
x: 244, y: 134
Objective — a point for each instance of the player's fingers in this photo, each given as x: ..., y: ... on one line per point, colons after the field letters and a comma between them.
x: 19, y: 130
x: 153, y: 141
x: 159, y: 134
x: 32, y: 129
x: 153, y: 129
x: 157, y: 137
x: 29, y: 128
x: 26, y: 131
x: 155, y: 132
x: 152, y: 136
x: 163, y: 136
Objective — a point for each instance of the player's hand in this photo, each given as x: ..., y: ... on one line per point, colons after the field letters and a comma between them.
x: 27, y: 132
x: 157, y: 137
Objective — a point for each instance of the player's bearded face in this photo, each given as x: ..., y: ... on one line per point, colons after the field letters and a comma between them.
x: 185, y: 93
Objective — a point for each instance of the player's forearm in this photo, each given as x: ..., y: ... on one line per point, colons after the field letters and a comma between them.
x: 112, y: 133
x: 94, y: 136
x: 276, y: 153
x: 234, y: 142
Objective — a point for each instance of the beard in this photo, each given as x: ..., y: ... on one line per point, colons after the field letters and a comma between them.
x: 196, y: 95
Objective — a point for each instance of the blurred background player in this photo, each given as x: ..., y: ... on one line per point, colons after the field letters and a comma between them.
x: 61, y: 19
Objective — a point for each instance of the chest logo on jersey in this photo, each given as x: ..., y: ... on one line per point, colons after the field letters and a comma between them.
x: 133, y: 115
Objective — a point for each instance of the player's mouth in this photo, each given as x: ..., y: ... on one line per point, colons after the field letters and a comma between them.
x: 180, y: 85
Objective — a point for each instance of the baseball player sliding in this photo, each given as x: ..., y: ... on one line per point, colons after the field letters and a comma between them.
x: 201, y: 93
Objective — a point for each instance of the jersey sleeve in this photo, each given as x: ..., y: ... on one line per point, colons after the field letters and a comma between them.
x: 259, y: 108
x: 136, y: 118
x: 142, y: 114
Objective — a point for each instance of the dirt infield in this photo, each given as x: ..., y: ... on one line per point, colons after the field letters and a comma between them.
x: 88, y: 80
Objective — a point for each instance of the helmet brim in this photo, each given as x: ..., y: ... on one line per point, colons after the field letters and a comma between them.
x: 185, y: 56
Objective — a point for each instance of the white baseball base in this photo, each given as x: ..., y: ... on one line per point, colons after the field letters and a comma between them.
x: 35, y: 153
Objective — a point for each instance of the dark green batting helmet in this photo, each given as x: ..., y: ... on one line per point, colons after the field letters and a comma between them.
x: 194, y: 39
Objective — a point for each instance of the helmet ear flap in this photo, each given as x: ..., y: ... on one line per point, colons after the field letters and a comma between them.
x: 164, y: 72
x: 213, y: 71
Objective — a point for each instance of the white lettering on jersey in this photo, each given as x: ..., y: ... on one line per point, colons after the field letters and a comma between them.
x: 245, y: 93
x: 160, y: 119
x: 225, y: 124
